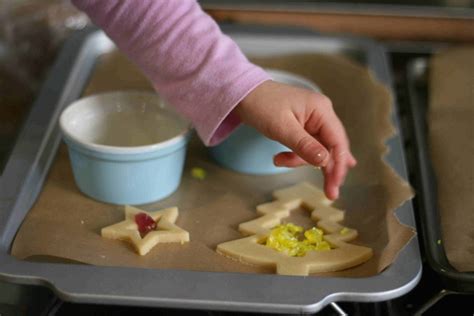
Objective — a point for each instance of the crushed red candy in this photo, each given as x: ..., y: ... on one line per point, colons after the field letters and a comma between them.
x: 145, y: 223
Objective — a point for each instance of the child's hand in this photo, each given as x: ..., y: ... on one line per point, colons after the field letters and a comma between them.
x: 305, y: 122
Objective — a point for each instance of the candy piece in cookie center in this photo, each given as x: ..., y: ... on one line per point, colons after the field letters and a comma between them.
x: 166, y: 231
x: 145, y: 223
x: 290, y: 239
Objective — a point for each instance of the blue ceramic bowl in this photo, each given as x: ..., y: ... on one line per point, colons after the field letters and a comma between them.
x: 125, y: 147
x: 248, y: 151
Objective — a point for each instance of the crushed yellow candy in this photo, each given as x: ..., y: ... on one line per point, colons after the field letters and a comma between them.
x: 285, y: 238
x: 198, y: 173
x: 344, y: 231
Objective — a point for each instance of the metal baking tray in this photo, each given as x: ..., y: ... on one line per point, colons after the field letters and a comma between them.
x: 425, y: 181
x: 38, y: 143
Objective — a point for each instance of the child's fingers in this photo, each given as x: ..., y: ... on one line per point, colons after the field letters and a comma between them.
x: 336, y: 171
x: 303, y: 144
x: 332, y: 181
x: 343, y: 160
x: 331, y: 191
x: 352, y: 161
x: 288, y: 159
x: 338, y: 174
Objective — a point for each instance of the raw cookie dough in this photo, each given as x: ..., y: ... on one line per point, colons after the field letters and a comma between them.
x: 166, y: 230
x: 252, y: 250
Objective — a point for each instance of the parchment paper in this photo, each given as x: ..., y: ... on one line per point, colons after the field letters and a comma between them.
x: 451, y: 121
x: 65, y: 224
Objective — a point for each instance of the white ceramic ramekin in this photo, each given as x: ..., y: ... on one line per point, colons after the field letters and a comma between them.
x: 125, y: 147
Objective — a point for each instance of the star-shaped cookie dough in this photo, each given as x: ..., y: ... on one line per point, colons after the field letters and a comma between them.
x: 166, y: 230
x: 253, y: 250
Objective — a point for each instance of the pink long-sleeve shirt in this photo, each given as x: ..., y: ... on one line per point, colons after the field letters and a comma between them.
x: 182, y: 51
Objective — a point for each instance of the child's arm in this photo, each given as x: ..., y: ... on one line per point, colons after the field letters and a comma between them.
x: 184, y: 54
x: 205, y: 76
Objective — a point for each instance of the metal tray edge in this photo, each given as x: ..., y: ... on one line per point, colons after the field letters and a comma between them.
x: 429, y: 211
x: 54, y: 280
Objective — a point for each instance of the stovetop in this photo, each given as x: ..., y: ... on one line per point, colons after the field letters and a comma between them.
x: 429, y: 296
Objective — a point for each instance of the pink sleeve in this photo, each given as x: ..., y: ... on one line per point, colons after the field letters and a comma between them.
x: 183, y: 53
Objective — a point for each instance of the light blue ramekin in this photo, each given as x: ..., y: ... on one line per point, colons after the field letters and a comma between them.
x: 246, y: 150
x: 138, y: 166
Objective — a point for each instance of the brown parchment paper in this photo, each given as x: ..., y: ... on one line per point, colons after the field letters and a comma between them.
x: 451, y: 134
x: 65, y: 224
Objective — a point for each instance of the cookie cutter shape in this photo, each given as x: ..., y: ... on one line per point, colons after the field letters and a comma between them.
x: 252, y: 249
x: 166, y: 230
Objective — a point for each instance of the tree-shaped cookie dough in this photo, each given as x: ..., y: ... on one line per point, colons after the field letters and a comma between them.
x: 253, y: 250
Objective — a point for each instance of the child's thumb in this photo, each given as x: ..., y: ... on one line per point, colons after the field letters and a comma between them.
x: 304, y: 145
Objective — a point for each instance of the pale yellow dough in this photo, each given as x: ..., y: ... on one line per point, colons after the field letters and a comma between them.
x: 251, y: 250
x: 166, y: 230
